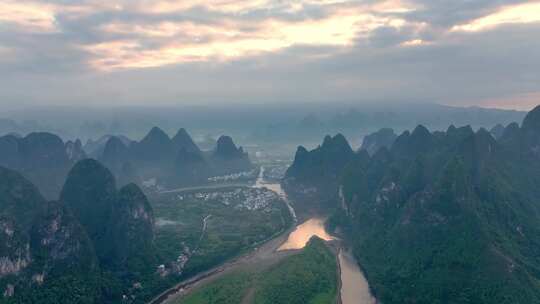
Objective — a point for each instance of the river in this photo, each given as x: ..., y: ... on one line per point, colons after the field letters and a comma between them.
x: 260, y: 183
x: 354, y: 286
x: 303, y: 232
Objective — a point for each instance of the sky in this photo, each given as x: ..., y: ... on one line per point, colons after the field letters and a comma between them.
x: 164, y: 52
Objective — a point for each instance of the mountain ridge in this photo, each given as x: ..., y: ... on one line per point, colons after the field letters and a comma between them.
x: 453, y: 214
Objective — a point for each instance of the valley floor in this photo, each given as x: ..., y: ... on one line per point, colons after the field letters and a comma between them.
x: 246, y: 278
x: 286, y: 276
x: 259, y: 258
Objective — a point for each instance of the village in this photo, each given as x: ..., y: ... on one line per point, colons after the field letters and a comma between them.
x: 244, y: 175
x: 239, y: 198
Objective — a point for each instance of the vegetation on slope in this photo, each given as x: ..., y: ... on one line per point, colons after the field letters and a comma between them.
x: 307, y: 277
x: 230, y: 228
x: 447, y: 217
x: 229, y: 289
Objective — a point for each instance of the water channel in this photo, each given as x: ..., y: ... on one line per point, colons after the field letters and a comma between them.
x: 354, y: 286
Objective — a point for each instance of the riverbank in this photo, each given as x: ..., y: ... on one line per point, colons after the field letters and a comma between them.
x: 354, y: 286
x: 351, y: 283
x: 308, y: 275
x: 266, y: 254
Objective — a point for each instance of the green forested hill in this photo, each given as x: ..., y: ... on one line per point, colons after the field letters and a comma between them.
x: 92, y: 246
x: 309, y: 277
x: 448, y: 217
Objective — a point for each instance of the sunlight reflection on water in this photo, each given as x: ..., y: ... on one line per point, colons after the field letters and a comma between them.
x: 302, y: 233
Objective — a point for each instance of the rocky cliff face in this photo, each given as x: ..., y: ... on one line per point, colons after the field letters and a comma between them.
x: 119, y: 223
x: 64, y: 251
x: 375, y: 141
x: 63, y: 255
x: 20, y: 205
x: 14, y: 251
x: 41, y: 244
x: 132, y: 231
x: 438, y: 200
x: 62, y: 242
x: 317, y: 172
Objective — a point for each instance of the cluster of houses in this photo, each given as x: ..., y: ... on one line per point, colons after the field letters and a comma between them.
x: 234, y: 177
x: 240, y: 198
x: 177, y: 266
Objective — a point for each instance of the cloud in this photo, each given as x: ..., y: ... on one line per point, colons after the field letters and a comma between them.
x: 27, y: 17
x: 523, y: 13
x: 385, y: 36
x: 447, y: 13
x: 132, y: 51
x: 232, y: 36
x: 141, y: 34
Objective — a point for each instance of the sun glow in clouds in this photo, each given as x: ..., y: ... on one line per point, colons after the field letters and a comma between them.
x: 132, y: 34
x: 225, y: 6
x: 228, y: 38
x: 524, y: 13
x: 40, y: 16
x: 30, y: 17
x: 162, y: 36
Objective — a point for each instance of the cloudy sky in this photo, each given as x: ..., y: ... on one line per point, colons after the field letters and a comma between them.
x: 121, y: 52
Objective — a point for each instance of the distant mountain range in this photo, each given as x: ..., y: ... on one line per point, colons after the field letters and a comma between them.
x: 437, y: 217
x: 45, y: 159
x: 361, y: 119
x: 291, y: 122
x: 174, y: 162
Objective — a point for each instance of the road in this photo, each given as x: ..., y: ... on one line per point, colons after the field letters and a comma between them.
x: 265, y: 255
x: 205, y: 187
x: 353, y: 285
